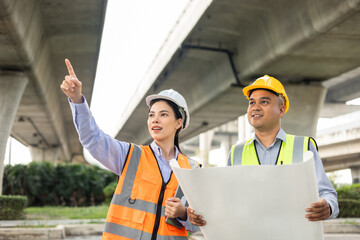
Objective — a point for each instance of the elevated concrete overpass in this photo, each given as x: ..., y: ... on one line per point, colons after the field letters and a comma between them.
x: 35, y: 38
x: 339, y: 148
x: 311, y: 46
x: 215, y: 48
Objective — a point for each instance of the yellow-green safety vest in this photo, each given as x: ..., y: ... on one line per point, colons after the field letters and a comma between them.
x: 289, y: 152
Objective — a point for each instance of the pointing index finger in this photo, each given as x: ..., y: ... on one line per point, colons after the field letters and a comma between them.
x: 69, y: 68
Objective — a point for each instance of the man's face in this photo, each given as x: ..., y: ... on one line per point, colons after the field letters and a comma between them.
x: 265, y: 110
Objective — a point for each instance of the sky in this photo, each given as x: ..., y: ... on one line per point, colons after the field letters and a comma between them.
x: 133, y: 33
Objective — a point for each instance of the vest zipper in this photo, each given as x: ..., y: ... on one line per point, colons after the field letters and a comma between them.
x: 158, y: 211
x: 160, y: 200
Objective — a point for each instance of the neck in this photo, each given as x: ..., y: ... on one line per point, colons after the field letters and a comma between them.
x: 267, y: 137
x: 167, y: 149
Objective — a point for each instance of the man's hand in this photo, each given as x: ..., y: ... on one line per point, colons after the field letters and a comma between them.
x: 174, y: 208
x: 71, y: 86
x: 318, y: 211
x: 195, y: 219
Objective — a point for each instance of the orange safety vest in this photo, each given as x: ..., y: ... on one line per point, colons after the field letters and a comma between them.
x: 137, y: 210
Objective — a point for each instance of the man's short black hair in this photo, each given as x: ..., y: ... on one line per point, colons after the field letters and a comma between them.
x: 273, y: 92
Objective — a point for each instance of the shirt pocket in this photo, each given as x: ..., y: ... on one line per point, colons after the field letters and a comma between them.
x: 146, y: 187
x: 132, y: 215
x: 132, y: 219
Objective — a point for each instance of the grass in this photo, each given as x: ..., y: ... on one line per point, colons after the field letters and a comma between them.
x: 58, y: 212
x: 37, y: 226
x: 352, y: 222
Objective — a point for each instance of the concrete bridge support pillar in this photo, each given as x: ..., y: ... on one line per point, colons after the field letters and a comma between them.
x: 355, y: 174
x: 244, y: 128
x: 11, y: 90
x: 45, y: 154
x: 226, y: 144
x: 306, y: 102
x: 205, y: 146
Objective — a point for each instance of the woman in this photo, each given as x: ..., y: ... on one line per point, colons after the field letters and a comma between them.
x: 144, y: 197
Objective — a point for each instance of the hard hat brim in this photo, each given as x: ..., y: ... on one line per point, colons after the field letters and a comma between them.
x: 149, y: 98
x: 248, y: 89
x: 157, y: 96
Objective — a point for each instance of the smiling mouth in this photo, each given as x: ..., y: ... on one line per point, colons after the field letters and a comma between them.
x: 256, y: 115
x: 156, y: 128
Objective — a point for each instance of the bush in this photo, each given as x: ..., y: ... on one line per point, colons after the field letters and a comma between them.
x: 109, y: 191
x: 64, y: 184
x: 12, y: 207
x: 349, y: 192
x: 13, y: 180
x: 349, y: 200
x: 349, y: 208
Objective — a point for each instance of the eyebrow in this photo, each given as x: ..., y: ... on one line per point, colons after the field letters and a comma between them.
x: 160, y: 111
x: 261, y: 98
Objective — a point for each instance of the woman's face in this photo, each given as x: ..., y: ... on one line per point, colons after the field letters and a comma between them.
x: 162, y: 122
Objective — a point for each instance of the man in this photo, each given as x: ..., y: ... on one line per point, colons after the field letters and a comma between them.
x: 268, y: 102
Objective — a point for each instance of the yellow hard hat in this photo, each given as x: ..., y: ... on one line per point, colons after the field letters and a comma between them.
x: 271, y: 83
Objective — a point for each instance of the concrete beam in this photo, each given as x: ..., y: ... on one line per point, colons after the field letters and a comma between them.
x: 344, y: 87
x: 289, y: 33
x: 355, y: 174
x: 305, y: 105
x: 330, y: 110
x: 24, y: 21
x: 45, y: 154
x: 341, y: 162
x: 340, y: 155
x: 296, y: 41
x: 244, y: 128
x: 205, y: 146
x: 209, y: 74
x: 339, y: 147
x: 12, y: 88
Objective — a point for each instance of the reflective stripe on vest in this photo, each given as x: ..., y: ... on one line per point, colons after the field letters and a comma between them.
x: 291, y: 152
x: 137, y: 210
x: 122, y: 232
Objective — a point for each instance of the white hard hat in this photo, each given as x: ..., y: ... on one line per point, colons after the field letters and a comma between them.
x: 175, y: 97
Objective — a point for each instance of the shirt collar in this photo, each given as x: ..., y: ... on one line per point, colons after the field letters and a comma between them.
x: 158, y: 152
x: 280, y: 135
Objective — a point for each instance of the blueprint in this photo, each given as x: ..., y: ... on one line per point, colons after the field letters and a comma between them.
x: 253, y: 202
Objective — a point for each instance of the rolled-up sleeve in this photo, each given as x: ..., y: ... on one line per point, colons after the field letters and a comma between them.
x: 188, y: 225
x: 326, y: 189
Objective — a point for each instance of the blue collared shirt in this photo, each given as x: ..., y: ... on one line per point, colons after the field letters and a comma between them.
x: 268, y: 156
x: 111, y: 152
x: 163, y: 164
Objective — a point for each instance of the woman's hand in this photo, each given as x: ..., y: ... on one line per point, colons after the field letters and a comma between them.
x: 71, y: 86
x: 174, y: 208
x: 195, y: 219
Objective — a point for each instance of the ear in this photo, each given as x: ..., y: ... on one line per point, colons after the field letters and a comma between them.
x: 282, y: 110
x: 179, y: 123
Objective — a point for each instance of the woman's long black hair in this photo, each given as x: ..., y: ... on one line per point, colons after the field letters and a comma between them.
x: 177, y: 115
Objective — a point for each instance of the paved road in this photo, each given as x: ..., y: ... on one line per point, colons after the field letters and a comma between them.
x: 85, y: 238
x: 198, y: 236
x: 342, y: 237
x: 327, y: 237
